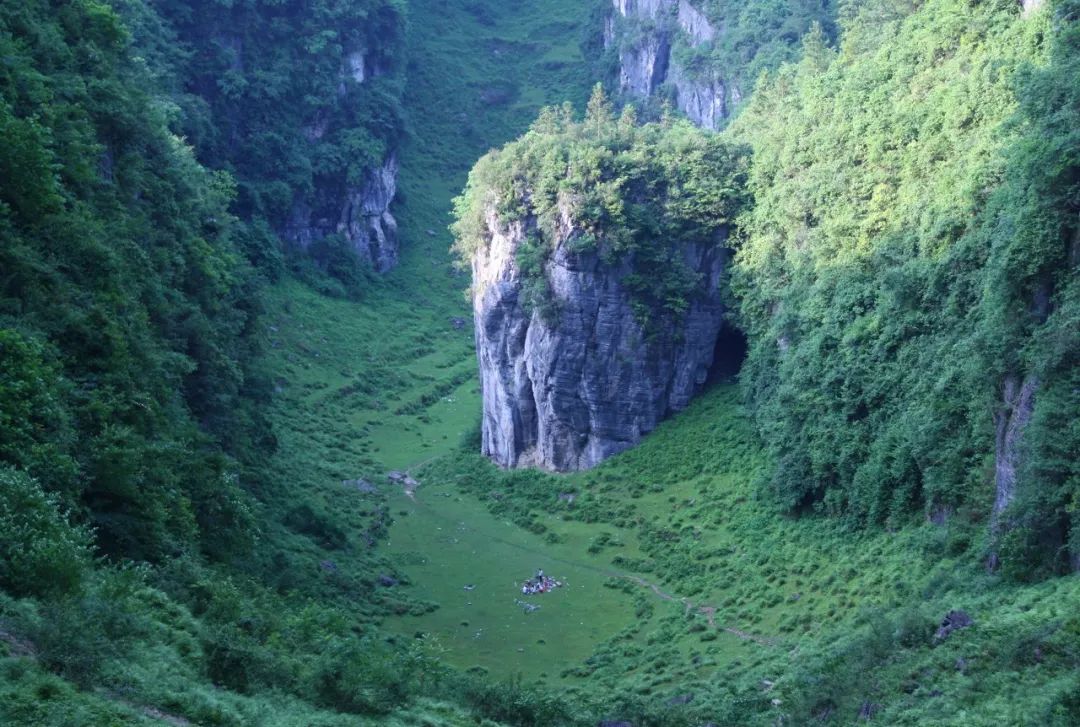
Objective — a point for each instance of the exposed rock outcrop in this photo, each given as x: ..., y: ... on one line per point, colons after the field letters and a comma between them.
x: 953, y: 621
x: 359, y: 213
x: 360, y: 66
x: 1030, y: 6
x: 1017, y: 407
x: 362, y: 215
x: 566, y: 390
x: 646, y: 62
x: 1018, y: 404
x: 701, y: 99
x: 643, y: 66
x: 694, y: 23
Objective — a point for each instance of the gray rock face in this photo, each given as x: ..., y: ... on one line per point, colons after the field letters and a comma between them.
x: 360, y: 213
x: 701, y: 99
x: 1030, y: 6
x: 1010, y: 421
x: 366, y: 220
x: 644, y: 65
x: 1018, y: 404
x: 646, y: 61
x: 362, y: 216
x: 566, y: 393
x: 694, y: 23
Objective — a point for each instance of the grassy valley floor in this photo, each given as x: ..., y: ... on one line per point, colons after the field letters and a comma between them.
x: 688, y: 599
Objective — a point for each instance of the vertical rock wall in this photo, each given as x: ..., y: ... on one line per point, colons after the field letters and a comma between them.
x: 645, y: 32
x: 360, y: 213
x: 566, y: 391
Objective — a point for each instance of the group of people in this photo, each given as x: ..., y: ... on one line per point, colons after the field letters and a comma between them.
x: 539, y: 583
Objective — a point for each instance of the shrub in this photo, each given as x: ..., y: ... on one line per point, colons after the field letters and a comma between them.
x: 41, y: 554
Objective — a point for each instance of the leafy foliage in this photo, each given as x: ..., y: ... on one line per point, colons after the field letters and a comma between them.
x: 608, y: 185
x: 298, y: 100
x: 132, y: 385
x: 907, y: 251
x: 40, y: 553
x: 127, y: 309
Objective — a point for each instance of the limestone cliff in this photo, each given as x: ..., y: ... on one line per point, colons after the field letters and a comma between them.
x: 361, y: 214
x: 358, y: 212
x: 567, y: 388
x: 302, y: 104
x: 645, y: 32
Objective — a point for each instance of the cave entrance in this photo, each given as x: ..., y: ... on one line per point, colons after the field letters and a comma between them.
x: 728, y: 356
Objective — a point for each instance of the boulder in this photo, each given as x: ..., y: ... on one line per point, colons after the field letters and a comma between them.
x: 953, y: 621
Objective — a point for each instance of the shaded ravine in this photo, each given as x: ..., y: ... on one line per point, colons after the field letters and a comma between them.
x: 709, y: 611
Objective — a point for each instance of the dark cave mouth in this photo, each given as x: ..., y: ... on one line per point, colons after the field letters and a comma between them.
x: 728, y: 356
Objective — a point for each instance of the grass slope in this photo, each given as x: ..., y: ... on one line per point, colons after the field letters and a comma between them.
x: 683, y: 582
x: 740, y: 606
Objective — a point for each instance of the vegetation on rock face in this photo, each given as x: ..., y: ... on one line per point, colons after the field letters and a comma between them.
x: 910, y: 250
x: 606, y: 184
x: 749, y: 38
x: 910, y: 247
x: 298, y: 100
x: 752, y: 38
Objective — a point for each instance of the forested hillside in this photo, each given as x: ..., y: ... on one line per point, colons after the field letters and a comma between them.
x: 300, y: 102
x: 907, y: 274
x: 128, y: 309
x: 241, y: 468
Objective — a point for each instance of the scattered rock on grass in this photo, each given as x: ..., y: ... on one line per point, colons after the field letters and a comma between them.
x: 868, y: 710
x: 361, y: 485
x: 953, y: 621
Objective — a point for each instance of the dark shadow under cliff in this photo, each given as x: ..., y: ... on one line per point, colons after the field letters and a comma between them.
x: 728, y: 356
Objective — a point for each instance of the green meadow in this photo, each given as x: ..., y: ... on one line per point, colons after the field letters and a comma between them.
x: 681, y: 579
x: 279, y: 576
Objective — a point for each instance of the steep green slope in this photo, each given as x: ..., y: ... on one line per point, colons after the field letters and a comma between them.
x: 300, y: 101
x: 907, y: 273
x: 126, y: 310
x: 250, y: 583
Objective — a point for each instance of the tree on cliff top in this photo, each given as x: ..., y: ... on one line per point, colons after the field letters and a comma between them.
x: 628, y: 192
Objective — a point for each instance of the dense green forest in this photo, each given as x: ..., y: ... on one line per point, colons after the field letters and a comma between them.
x: 907, y: 273
x: 204, y: 383
x: 625, y: 184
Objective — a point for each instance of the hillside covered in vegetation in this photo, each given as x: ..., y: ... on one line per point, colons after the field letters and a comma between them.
x: 242, y: 464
